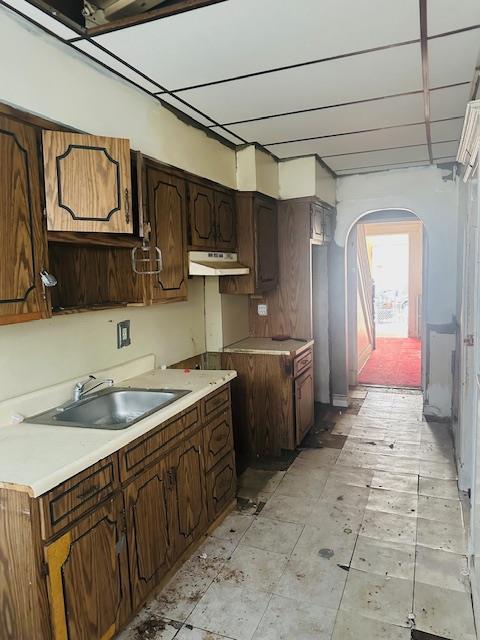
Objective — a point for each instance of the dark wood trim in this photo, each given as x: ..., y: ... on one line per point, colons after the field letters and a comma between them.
x: 340, y: 56
x: 351, y: 133
x: 425, y: 79
x: 342, y: 104
x: 181, y: 6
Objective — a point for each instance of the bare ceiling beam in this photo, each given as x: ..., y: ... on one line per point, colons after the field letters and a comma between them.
x: 425, y: 74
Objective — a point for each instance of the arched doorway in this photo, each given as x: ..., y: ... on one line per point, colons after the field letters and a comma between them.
x: 384, y: 299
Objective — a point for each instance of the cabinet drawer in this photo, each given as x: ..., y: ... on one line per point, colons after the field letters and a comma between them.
x: 218, y: 438
x: 221, y: 485
x: 216, y: 402
x: 70, y: 500
x: 150, y: 447
x: 302, y: 362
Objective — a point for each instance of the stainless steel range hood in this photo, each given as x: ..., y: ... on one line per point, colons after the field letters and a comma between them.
x: 215, y: 263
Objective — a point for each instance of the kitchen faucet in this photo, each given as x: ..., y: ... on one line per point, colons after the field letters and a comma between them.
x: 84, y: 387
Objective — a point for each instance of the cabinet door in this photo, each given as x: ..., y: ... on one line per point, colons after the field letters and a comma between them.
x: 202, y: 216
x: 87, y: 183
x: 167, y: 215
x: 221, y: 485
x: 149, y: 520
x: 189, y: 496
x: 266, y: 245
x: 304, y: 404
x: 22, y: 239
x: 317, y: 222
x: 88, y: 577
x: 225, y: 221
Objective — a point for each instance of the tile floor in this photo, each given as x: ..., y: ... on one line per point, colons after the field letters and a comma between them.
x: 359, y: 543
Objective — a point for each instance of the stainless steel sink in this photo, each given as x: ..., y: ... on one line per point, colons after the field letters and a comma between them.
x: 113, y: 408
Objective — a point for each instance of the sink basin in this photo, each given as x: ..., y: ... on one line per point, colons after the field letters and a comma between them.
x: 114, y: 408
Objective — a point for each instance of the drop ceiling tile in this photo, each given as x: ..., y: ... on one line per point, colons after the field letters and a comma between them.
x: 347, y: 144
x: 115, y: 65
x: 356, y: 117
x: 370, y: 75
x: 453, y: 58
x: 42, y: 18
x: 187, y: 110
x: 443, y: 149
x: 390, y: 167
x: 442, y: 17
x: 445, y: 103
x: 378, y: 158
x: 245, y: 36
x: 448, y: 130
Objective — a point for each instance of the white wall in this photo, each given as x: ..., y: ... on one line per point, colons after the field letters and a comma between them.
x: 432, y: 196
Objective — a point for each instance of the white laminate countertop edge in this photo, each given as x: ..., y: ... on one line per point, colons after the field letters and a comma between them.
x: 35, y: 458
x: 269, y: 347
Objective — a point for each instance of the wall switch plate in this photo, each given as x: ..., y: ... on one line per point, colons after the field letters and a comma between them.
x: 123, y: 334
x: 262, y: 309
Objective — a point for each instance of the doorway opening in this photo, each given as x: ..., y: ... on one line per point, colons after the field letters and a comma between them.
x: 385, y: 251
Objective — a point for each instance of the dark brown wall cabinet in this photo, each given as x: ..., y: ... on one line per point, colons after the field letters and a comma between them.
x: 23, y: 253
x: 84, y: 557
x: 257, y: 242
x: 211, y: 218
x: 322, y: 222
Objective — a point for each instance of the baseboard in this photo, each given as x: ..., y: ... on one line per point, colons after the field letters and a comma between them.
x: 339, y: 400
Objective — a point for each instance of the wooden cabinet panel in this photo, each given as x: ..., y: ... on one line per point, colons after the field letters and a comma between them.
x: 167, y: 215
x: 218, y: 438
x: 225, y: 221
x: 304, y: 404
x: 188, y: 472
x: 148, y: 448
x: 221, y: 485
x: 70, y: 500
x: 87, y: 183
x: 23, y: 246
x: 266, y: 245
x: 202, y: 216
x: 215, y: 402
x: 149, y: 520
x: 302, y: 361
x: 88, y: 577
x: 321, y: 223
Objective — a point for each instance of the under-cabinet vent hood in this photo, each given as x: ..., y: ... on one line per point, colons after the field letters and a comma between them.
x: 215, y: 263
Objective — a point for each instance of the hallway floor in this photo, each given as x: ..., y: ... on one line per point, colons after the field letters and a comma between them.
x: 360, y: 541
x: 396, y: 362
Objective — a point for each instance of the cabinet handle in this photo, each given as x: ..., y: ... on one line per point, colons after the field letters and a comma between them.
x: 89, y: 492
x: 127, y: 207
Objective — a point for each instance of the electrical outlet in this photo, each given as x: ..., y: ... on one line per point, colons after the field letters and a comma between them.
x: 262, y: 309
x: 123, y: 334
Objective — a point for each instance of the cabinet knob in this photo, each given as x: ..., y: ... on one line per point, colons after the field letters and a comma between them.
x: 127, y: 207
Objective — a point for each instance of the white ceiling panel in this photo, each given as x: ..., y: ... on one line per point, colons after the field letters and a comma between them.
x: 356, y: 117
x: 376, y: 74
x: 42, y: 18
x: 402, y: 165
x: 115, y: 65
x: 383, y: 139
x: 374, y: 158
x: 245, y: 36
x: 445, y: 103
x: 448, y: 130
x: 442, y: 149
x: 453, y: 58
x: 444, y: 16
x: 189, y: 112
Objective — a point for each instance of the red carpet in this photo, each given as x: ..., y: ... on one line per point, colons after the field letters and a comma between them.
x: 395, y: 362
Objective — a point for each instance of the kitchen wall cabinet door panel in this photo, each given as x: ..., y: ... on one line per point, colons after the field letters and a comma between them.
x: 149, y: 523
x: 88, y: 577
x: 225, y: 221
x: 202, y: 216
x: 23, y: 245
x: 167, y: 215
x: 188, y: 473
x: 304, y: 404
x: 87, y: 183
x: 266, y: 245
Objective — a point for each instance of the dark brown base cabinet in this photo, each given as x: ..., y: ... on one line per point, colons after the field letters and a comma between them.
x: 78, y: 562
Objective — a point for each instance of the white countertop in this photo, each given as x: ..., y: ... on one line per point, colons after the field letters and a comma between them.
x: 35, y: 458
x: 268, y: 346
